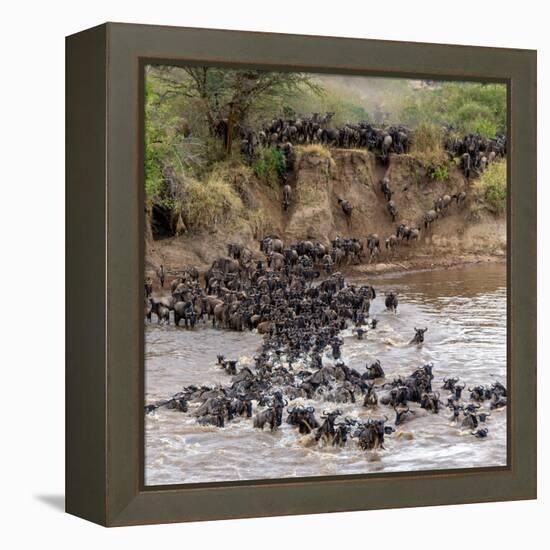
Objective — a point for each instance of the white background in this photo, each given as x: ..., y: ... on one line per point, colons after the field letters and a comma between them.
x: 32, y: 272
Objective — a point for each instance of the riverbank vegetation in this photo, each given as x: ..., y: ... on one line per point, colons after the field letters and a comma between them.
x: 491, y: 187
x: 464, y: 107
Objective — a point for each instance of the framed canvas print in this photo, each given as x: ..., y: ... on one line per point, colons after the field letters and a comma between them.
x: 301, y: 274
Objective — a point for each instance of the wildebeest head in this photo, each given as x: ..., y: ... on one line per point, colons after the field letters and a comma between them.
x: 419, y: 335
x: 458, y: 390
x: 449, y: 383
x: 401, y: 415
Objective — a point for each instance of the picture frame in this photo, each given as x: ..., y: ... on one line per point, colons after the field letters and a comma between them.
x: 104, y: 274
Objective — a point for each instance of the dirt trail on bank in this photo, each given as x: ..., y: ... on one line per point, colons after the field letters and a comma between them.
x: 468, y: 233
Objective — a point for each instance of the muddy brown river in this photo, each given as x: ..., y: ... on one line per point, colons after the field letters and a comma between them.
x: 465, y: 312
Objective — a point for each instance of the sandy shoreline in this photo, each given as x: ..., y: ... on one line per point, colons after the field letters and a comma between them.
x: 380, y: 270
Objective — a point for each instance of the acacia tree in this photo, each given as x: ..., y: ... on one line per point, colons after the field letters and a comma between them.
x: 226, y: 97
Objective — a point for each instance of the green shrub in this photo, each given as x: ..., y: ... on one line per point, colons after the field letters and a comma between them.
x: 485, y: 128
x: 271, y: 166
x: 466, y: 106
x: 438, y: 172
x: 491, y: 187
x: 427, y: 138
x: 153, y: 173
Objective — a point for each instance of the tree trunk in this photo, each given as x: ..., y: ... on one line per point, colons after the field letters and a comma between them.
x: 230, y: 130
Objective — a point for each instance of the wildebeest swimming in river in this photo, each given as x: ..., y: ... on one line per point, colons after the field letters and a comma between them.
x: 392, y: 301
x: 419, y: 335
x: 304, y: 418
x: 300, y: 321
x: 374, y: 371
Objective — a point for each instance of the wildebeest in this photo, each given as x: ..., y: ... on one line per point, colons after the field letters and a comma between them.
x: 466, y: 164
x: 148, y: 287
x: 161, y: 275
x: 161, y: 311
x: 459, y: 197
x: 391, y: 242
x: 429, y: 218
x: 449, y: 383
x: 456, y: 409
x: 419, y: 335
x: 413, y: 234
x: 391, y: 301
x: 430, y: 401
x: 373, y: 245
x: 392, y: 210
x: 371, y: 398
x: 385, y: 187
x: 457, y: 389
x: 402, y: 414
x: 326, y: 432
x: 469, y: 421
x: 304, y: 418
x: 268, y: 417
x: 441, y: 204
x: 185, y: 311
x: 374, y: 371
x: 287, y: 191
x: 347, y: 209
x: 370, y: 434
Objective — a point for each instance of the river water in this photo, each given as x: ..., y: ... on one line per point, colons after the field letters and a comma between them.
x: 465, y: 312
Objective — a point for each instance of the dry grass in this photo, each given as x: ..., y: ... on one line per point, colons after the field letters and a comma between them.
x: 314, y: 149
x: 427, y: 144
x: 308, y: 194
x: 210, y: 203
x: 490, y: 188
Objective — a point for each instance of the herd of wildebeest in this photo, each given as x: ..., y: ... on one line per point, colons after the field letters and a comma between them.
x: 301, y: 321
x: 296, y: 297
x: 397, y: 138
x: 474, y: 153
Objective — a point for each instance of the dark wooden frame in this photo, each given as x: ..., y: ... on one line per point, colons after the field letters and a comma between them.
x: 104, y: 192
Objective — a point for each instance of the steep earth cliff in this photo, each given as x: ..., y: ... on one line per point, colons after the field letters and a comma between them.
x: 468, y: 233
